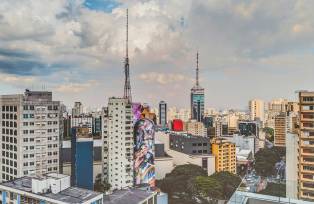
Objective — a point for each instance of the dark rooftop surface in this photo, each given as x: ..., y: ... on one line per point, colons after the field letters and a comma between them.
x: 130, y: 196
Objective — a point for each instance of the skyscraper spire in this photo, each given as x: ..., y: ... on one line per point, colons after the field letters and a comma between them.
x: 197, y: 70
x: 127, y: 83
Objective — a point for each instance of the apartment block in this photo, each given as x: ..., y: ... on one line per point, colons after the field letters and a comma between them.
x: 118, y: 143
x: 225, y: 155
x: 30, y: 126
x: 306, y: 146
x: 280, y: 130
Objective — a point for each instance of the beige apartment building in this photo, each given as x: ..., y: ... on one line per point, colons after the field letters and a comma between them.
x: 306, y: 146
x: 280, y: 130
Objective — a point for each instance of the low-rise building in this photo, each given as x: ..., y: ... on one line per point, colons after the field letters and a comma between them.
x: 189, y: 144
x: 51, y: 188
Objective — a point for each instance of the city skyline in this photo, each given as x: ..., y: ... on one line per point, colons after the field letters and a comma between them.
x: 76, y: 47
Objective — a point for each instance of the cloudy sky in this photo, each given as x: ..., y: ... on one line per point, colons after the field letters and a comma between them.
x: 248, y: 49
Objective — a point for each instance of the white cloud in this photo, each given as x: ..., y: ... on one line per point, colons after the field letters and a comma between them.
x: 75, y: 87
x: 163, y: 78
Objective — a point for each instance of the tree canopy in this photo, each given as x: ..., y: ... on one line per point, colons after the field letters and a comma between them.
x: 265, y: 160
x: 191, y: 183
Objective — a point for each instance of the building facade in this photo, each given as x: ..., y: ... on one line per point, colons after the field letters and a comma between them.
x: 225, y: 155
x: 306, y: 146
x: 82, y: 158
x: 30, y: 132
x: 163, y: 114
x: 118, y: 143
x: 257, y: 109
x: 280, y: 130
x: 189, y: 144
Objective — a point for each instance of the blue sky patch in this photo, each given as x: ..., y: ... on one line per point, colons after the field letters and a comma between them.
x: 102, y: 5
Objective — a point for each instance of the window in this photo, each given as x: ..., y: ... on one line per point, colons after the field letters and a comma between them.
x: 25, y: 116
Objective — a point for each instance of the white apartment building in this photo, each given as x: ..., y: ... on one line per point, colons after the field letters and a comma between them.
x: 83, y: 121
x: 118, y: 143
x: 30, y: 132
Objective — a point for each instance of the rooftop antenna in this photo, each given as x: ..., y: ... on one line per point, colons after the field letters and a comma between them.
x: 197, y: 70
x: 127, y: 84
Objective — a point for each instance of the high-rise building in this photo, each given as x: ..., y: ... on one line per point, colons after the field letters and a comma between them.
x: 118, y: 143
x: 197, y: 98
x: 280, y: 130
x: 77, y: 110
x: 82, y: 158
x: 306, y: 146
x: 248, y: 128
x: 257, y: 109
x: 225, y: 155
x: 30, y: 132
x: 163, y: 113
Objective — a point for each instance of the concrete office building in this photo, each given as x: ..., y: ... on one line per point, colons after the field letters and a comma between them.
x: 82, y: 158
x: 189, y: 144
x: 280, y: 130
x: 257, y: 109
x: 51, y: 188
x: 178, y: 157
x: 225, y: 155
x: 248, y: 128
x: 306, y: 146
x: 163, y: 114
x: 30, y: 132
x: 118, y: 143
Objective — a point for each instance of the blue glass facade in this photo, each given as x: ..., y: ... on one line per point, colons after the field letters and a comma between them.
x: 197, y: 104
x: 82, y: 162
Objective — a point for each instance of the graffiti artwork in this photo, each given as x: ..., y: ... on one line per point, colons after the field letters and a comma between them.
x: 144, y: 132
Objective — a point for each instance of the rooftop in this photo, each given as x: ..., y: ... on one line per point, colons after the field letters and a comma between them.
x: 69, y: 195
x: 253, y: 198
x: 129, y: 196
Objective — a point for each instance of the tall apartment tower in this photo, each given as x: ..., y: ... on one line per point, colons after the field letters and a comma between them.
x: 197, y: 98
x: 118, y: 143
x: 30, y: 131
x: 306, y: 146
x: 163, y: 113
x: 77, y: 110
x: 257, y: 109
x: 280, y: 130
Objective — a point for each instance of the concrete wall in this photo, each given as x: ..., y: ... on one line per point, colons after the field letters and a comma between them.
x: 163, y: 165
x: 291, y: 165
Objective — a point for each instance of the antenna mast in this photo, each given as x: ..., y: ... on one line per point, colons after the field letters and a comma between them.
x: 127, y: 83
x: 197, y: 70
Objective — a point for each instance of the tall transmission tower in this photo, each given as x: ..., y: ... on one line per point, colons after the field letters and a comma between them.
x: 197, y: 70
x: 127, y: 83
